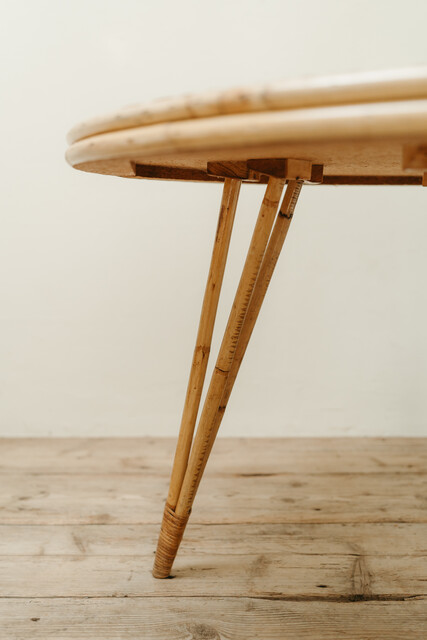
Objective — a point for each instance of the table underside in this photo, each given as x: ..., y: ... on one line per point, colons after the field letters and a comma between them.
x: 342, y: 162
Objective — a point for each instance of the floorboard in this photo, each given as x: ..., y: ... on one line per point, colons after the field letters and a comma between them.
x: 292, y: 538
x: 211, y: 619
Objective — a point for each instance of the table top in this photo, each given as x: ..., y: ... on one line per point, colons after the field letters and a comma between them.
x: 363, y: 128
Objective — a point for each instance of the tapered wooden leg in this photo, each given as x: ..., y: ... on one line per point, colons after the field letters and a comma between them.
x: 204, y: 336
x: 266, y: 270
x: 171, y: 524
x: 200, y: 448
x: 170, y: 536
x: 272, y: 253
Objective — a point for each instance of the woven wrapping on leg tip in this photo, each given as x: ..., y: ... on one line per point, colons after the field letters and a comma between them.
x: 170, y: 537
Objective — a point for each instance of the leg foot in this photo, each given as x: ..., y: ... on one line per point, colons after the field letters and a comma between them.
x: 170, y: 537
x: 173, y: 525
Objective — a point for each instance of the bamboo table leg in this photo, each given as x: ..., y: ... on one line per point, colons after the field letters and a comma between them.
x: 204, y: 336
x: 201, y: 351
x: 274, y: 247
x: 175, y: 520
x: 272, y: 253
x: 251, y: 269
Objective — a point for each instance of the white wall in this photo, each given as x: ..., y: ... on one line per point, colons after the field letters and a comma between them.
x: 100, y: 301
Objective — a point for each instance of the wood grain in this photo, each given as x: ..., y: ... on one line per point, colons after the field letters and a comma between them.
x: 368, y: 539
x: 151, y: 456
x: 210, y: 619
x: 258, y: 575
x: 268, y: 134
x: 277, y: 498
x: 367, y: 86
x: 347, y: 559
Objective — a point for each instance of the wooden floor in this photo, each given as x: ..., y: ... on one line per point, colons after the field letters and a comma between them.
x: 291, y: 538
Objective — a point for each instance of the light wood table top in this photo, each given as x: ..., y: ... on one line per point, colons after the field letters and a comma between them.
x: 363, y: 128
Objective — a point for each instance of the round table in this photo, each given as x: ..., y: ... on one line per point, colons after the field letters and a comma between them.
x: 365, y: 129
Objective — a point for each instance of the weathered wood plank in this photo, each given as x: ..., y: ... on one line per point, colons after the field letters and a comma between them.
x: 232, y: 539
x: 139, y: 499
x: 210, y: 619
x: 154, y: 456
x: 255, y: 575
x: 319, y: 539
